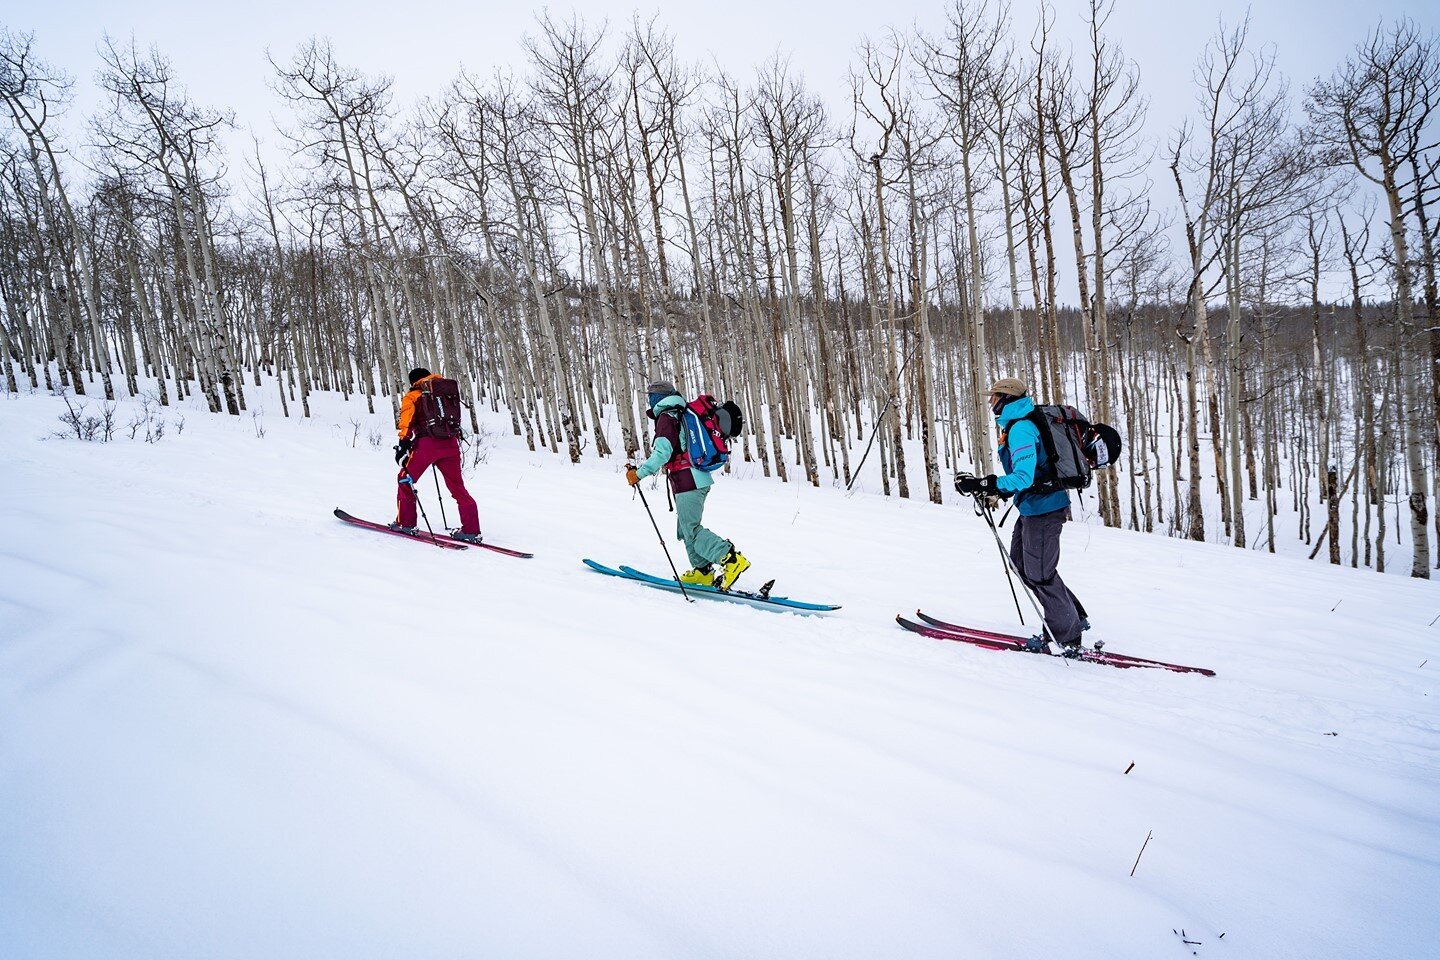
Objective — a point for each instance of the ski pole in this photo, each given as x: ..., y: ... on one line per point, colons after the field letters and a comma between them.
x: 1004, y: 558
x: 444, y: 522
x: 1005, y: 565
x: 663, y: 546
x: 875, y: 430
x: 407, y: 479
x: 1010, y: 565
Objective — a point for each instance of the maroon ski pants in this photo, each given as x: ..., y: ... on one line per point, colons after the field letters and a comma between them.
x: 443, y: 455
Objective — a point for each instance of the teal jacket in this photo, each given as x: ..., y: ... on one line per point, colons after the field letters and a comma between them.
x: 1023, y: 455
x: 663, y: 451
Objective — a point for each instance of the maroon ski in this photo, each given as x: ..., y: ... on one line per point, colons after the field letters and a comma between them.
x: 991, y: 640
x: 438, y: 539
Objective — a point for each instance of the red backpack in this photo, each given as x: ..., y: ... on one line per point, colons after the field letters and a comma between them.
x: 707, y: 428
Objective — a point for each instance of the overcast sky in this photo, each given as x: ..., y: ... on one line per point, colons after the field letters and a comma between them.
x: 219, y: 50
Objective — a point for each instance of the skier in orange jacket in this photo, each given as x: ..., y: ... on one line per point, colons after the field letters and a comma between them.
x: 430, y: 432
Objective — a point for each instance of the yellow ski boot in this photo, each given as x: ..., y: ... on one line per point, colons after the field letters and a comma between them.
x: 734, y: 565
x: 698, y: 578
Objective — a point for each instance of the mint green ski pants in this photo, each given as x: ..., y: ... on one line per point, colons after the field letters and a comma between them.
x: 703, y: 546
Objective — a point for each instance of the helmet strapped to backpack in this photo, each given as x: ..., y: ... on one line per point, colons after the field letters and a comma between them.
x: 1102, y: 445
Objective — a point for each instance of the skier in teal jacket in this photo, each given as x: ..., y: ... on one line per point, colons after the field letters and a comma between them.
x: 1023, y: 457
x: 1035, y: 544
x: 714, y: 561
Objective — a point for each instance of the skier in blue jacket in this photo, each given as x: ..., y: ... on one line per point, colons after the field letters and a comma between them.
x: 1035, y: 544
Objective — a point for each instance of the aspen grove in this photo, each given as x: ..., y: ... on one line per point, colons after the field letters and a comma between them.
x: 1251, y: 298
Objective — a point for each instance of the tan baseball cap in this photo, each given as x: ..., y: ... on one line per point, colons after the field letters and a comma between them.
x: 1010, y: 387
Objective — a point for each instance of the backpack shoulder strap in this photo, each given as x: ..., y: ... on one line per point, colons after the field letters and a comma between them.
x: 1037, y: 419
x: 680, y: 446
x: 676, y: 417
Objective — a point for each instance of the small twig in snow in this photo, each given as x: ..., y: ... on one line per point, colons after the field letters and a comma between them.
x: 1337, y: 603
x: 1187, y: 941
x: 1148, y: 835
x: 1131, y: 767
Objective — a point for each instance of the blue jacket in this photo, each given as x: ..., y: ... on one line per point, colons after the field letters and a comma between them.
x: 1022, y: 455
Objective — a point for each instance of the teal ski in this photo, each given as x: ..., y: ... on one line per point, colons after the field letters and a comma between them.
x: 760, y: 598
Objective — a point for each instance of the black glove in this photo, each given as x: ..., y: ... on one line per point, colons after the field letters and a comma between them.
x: 972, y: 486
x: 402, y: 450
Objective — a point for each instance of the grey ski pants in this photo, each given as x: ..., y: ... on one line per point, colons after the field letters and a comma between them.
x: 1035, y: 552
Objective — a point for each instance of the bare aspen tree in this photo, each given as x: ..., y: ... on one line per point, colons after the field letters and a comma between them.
x: 879, y: 104
x: 337, y: 106
x: 961, y: 68
x: 1317, y: 250
x: 154, y: 130
x: 1047, y: 320
x: 1007, y: 87
x: 1424, y: 155
x: 35, y: 95
x: 1114, y: 114
x: 1267, y: 177
x: 789, y: 124
x: 1231, y: 83
x: 1369, y: 112
x: 1355, y: 248
x: 574, y: 87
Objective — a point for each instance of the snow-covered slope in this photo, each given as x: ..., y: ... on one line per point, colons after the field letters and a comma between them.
x: 231, y: 726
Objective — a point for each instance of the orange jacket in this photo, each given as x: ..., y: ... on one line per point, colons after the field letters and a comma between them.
x: 407, y: 404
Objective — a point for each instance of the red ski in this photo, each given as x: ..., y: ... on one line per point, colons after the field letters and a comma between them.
x: 438, y: 539
x: 991, y: 640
